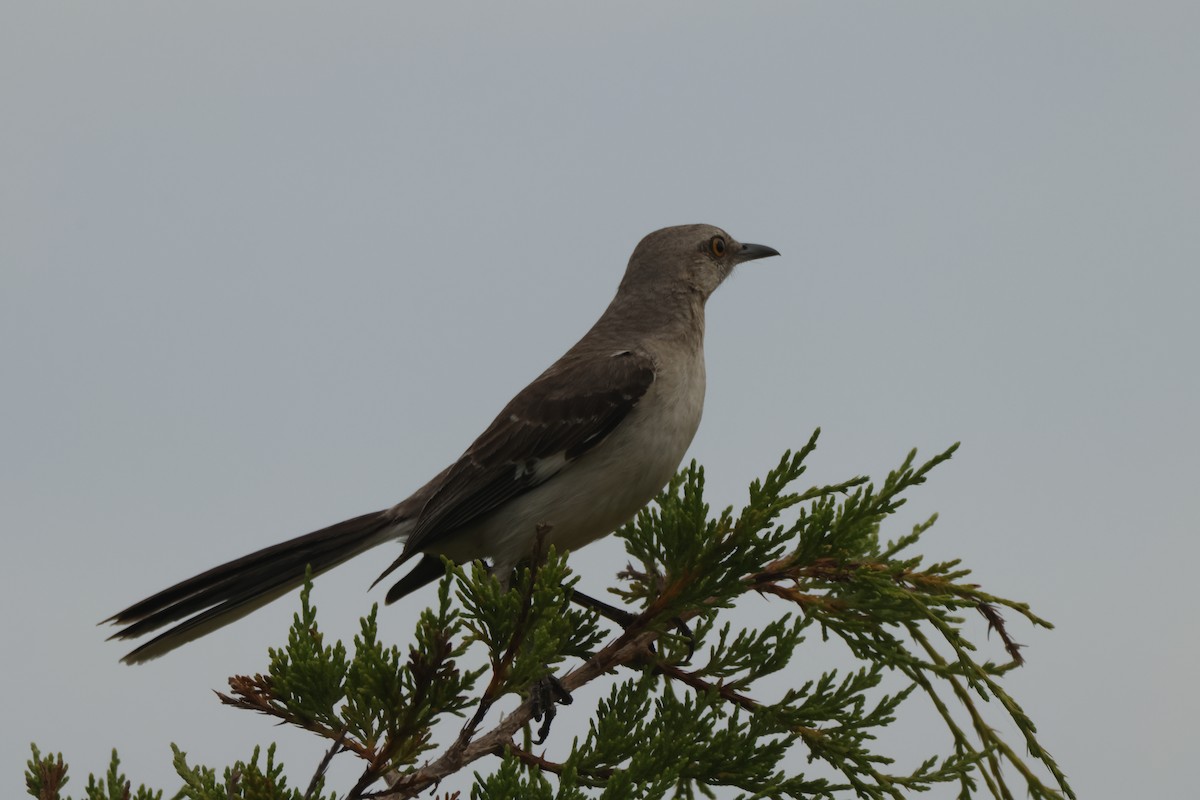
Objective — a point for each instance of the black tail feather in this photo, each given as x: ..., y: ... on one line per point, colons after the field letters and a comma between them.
x: 427, y: 570
x: 232, y: 590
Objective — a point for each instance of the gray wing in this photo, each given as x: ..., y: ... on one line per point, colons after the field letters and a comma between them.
x: 567, y: 411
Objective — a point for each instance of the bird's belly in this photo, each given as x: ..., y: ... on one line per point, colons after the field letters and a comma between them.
x: 594, y: 496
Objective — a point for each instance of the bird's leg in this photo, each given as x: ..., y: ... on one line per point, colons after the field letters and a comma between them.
x: 626, y: 618
x: 547, y: 692
x: 610, y: 612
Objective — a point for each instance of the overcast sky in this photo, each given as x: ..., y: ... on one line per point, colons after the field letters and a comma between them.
x: 264, y: 266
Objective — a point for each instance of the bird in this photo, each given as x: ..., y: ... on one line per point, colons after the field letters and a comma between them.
x: 572, y: 457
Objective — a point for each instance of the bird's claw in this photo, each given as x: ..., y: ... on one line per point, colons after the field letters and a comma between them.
x: 545, y: 696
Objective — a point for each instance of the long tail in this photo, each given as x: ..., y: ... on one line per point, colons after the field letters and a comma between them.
x: 229, y: 592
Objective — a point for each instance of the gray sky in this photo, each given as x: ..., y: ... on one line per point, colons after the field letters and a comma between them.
x: 266, y: 266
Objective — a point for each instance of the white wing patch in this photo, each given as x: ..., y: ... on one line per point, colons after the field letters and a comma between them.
x: 541, y: 469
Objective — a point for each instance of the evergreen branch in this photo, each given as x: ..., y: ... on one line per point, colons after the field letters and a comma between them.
x: 993, y: 775
x: 257, y: 694
x: 501, y: 669
x: 694, y: 681
x: 45, y: 777
x: 669, y: 730
x: 1034, y: 785
x: 541, y: 764
x: 962, y: 744
x: 626, y: 648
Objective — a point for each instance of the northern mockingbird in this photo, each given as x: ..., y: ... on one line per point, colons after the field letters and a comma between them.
x: 576, y: 454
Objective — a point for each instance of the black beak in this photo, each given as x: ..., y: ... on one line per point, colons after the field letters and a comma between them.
x: 749, y: 252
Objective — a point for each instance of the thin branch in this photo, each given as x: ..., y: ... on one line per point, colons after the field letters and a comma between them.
x: 336, y: 748
x: 624, y: 649
x: 700, y: 685
x: 996, y: 623
x: 254, y: 694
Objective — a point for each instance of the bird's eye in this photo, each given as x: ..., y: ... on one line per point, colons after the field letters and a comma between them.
x: 717, y: 245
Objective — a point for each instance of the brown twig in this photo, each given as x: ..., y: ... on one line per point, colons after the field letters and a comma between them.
x: 996, y: 623
x: 255, y: 694
x: 597, y: 778
x: 700, y: 685
x: 625, y: 648
x: 231, y: 787
x: 526, y: 757
x: 337, y: 747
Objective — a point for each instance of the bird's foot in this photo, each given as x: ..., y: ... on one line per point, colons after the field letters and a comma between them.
x: 546, y: 695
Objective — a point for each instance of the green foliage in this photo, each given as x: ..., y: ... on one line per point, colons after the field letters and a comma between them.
x: 512, y: 780
x: 689, y: 714
x: 376, y: 704
x: 308, y: 677
x: 651, y: 742
x: 242, y: 781
x: 45, y: 777
x: 529, y: 628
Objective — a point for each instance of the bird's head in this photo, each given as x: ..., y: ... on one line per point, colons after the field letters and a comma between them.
x: 698, y: 257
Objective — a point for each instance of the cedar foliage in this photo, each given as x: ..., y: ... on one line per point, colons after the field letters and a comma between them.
x: 684, y: 716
